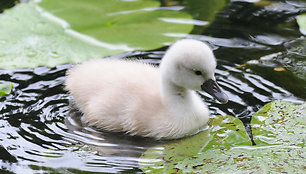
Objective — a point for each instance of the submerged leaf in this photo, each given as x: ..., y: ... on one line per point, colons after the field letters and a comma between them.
x: 279, y: 69
x: 278, y: 130
x: 6, y: 89
x: 53, y: 32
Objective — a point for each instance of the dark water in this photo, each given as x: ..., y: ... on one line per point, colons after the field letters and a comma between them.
x: 261, y: 58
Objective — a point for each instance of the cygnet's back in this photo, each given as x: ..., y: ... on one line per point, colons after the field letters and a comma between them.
x: 118, y: 95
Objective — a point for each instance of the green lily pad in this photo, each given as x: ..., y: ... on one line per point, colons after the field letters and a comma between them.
x: 226, y: 147
x: 280, y: 123
x: 192, y: 153
x: 301, y: 20
x: 53, y: 32
x: 279, y: 128
x: 6, y: 89
x: 204, y: 12
x: 136, y: 24
x: 38, y: 41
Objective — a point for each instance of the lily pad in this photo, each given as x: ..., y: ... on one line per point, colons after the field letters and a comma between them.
x: 137, y: 24
x: 225, y: 145
x: 279, y: 128
x: 301, y: 20
x: 193, y: 153
x: 53, y: 32
x: 280, y: 123
x: 6, y: 89
x: 38, y: 41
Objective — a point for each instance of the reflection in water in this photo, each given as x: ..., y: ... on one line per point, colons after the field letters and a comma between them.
x: 38, y: 131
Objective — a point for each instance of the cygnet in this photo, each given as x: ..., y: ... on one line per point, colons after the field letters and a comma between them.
x: 140, y: 99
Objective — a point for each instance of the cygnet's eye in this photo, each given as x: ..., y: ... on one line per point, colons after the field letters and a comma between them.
x: 198, y: 73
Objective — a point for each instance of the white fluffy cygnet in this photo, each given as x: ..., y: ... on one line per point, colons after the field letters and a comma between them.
x: 140, y: 99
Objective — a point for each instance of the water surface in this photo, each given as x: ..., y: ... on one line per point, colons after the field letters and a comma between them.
x: 261, y: 58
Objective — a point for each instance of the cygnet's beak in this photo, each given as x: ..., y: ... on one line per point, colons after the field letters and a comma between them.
x: 212, y: 88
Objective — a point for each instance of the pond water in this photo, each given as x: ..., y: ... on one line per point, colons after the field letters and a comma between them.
x: 261, y: 58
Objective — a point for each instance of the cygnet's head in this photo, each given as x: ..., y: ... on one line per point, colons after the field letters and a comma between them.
x: 190, y: 64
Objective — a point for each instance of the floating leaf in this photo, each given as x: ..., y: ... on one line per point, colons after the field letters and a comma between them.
x: 280, y: 123
x: 196, y: 153
x: 301, y: 20
x: 27, y: 39
x: 6, y: 89
x: 204, y: 12
x: 278, y: 130
x: 136, y: 24
x: 53, y: 32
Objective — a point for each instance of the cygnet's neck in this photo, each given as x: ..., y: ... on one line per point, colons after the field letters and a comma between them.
x: 182, y: 102
x: 187, y: 111
x: 172, y: 91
